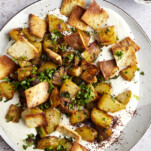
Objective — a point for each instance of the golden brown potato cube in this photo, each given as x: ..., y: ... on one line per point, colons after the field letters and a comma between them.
x: 68, y: 5
x: 100, y: 118
x: 47, y: 43
x: 95, y: 16
x: 79, y: 116
x: 125, y: 56
x: 37, y: 45
x: 24, y: 64
x: 124, y: 97
x: 41, y: 131
x: 24, y: 73
x: 92, y: 89
x: 35, y: 120
x: 107, y: 35
x: 78, y: 40
x: 56, y: 23
x: 75, y: 18
x: 91, y: 105
x: 66, y: 144
x: 125, y: 43
x: 70, y: 87
x: 89, y: 75
x: 7, y: 66
x: 75, y: 71
x: 78, y: 147
x: 86, y: 65
x: 58, y: 76
x: 92, y: 52
x: 87, y: 133
x: 53, y: 119
x: 29, y: 36
x: 103, y: 133
x: 47, y: 65
x: 37, y: 94
x: 54, y: 56
x: 15, y: 33
x: 129, y: 72
x: 102, y: 88
x: 108, y: 104
x: 37, y: 26
x: 54, y: 99
x: 13, y: 114
x: 48, y: 141
x: 108, y: 69
x: 68, y: 132
x: 7, y: 90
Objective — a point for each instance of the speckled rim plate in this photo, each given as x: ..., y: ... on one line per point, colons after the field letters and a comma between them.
x: 138, y: 125
x: 143, y: 2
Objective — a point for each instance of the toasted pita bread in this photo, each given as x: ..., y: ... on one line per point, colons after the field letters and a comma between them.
x: 92, y: 52
x: 127, y: 58
x: 108, y: 69
x: 68, y: 6
x: 37, y: 26
x: 78, y: 147
x: 127, y: 42
x: 75, y: 18
x: 77, y: 40
x: 68, y: 132
x: 94, y: 16
x: 23, y: 50
x: 37, y: 95
x: 7, y: 66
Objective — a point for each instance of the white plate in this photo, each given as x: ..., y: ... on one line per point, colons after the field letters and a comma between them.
x: 141, y: 121
x: 143, y: 1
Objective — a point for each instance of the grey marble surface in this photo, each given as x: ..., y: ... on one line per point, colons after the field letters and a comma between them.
x: 141, y: 13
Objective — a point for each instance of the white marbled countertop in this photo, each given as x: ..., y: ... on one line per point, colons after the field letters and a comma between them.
x: 141, y: 13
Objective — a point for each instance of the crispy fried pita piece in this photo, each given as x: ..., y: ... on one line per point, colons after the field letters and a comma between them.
x: 127, y: 42
x: 75, y: 18
x: 56, y: 23
x: 77, y: 40
x: 37, y: 26
x: 95, y: 16
x: 78, y: 147
x: 68, y: 6
x: 92, y: 52
x: 108, y: 69
x: 7, y: 66
x: 86, y: 65
x: 125, y: 56
x: 107, y: 35
x: 15, y: 33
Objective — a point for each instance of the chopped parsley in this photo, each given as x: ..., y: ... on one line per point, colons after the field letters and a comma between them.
x: 137, y: 97
x: 88, y: 33
x: 65, y: 94
x: 125, y: 72
x: 119, y: 54
x: 108, y: 30
x: 39, y: 130
x: 44, y: 106
x: 117, y: 38
x: 55, y: 36
x: 9, y: 118
x: 69, y: 139
x: 6, y: 79
x: 14, y: 59
x: 72, y: 29
x: 138, y: 69
x: 142, y: 73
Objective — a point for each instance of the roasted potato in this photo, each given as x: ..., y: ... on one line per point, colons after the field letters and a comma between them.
x: 75, y: 71
x: 108, y: 104
x: 68, y: 132
x: 79, y: 116
x: 54, y: 99
x: 66, y: 144
x: 41, y: 131
x: 129, y: 72
x: 87, y: 133
x: 100, y: 118
x: 37, y: 94
x: 24, y: 64
x: 47, y: 65
x: 58, y: 76
x: 7, y: 90
x: 103, y: 133
x: 91, y: 105
x: 89, y: 75
x: 56, y: 24
x: 29, y: 36
x: 86, y: 65
x: 95, y: 97
x: 78, y: 147
x: 124, y: 97
x: 102, y: 88
x: 53, y: 118
x: 107, y: 35
x: 13, y: 114
x: 38, y: 46
x: 48, y: 141
x: 47, y: 43
x: 15, y: 33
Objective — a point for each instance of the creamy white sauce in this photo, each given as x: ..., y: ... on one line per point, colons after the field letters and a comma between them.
x: 18, y: 132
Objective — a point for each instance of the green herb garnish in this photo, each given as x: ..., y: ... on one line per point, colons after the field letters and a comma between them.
x: 65, y: 94
x: 119, y: 54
